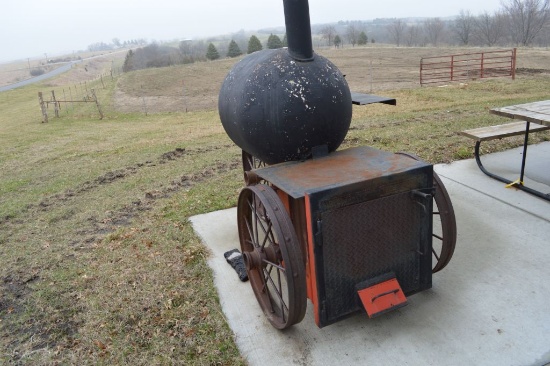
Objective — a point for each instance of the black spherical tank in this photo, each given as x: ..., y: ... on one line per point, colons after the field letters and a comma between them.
x: 280, y: 104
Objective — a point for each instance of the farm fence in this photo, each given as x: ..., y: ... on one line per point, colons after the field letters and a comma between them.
x: 68, y: 97
x: 467, y: 66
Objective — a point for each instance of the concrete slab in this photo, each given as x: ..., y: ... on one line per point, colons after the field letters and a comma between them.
x: 488, y: 307
x: 507, y: 164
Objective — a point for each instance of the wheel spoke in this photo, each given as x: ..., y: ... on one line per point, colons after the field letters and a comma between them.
x: 250, y: 232
x: 264, y: 288
x: 435, y: 254
x: 274, y: 265
x: 267, y: 237
x: 259, y: 222
x: 277, y: 291
x: 255, y: 214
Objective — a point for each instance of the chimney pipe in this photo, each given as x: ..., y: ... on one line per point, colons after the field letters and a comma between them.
x: 298, y: 29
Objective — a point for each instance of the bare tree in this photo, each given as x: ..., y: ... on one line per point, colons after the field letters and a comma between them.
x: 434, y: 29
x: 352, y: 34
x: 396, y: 29
x: 463, y: 27
x: 527, y: 19
x: 543, y: 39
x: 490, y: 29
x: 117, y: 43
x: 411, y: 35
x: 328, y: 33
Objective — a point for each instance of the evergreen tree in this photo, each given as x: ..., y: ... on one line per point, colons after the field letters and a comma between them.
x: 362, y: 39
x: 212, y: 52
x: 337, y: 41
x: 285, y: 41
x: 274, y: 42
x: 254, y: 44
x: 234, y: 49
x: 128, y: 62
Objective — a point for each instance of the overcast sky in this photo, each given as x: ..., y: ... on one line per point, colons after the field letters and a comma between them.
x: 31, y: 28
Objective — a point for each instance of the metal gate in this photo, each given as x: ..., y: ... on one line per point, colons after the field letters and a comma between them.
x: 467, y: 66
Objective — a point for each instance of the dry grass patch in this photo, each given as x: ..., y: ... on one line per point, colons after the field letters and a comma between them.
x: 98, y: 261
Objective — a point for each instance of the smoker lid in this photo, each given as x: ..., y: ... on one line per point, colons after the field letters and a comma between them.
x: 338, y: 169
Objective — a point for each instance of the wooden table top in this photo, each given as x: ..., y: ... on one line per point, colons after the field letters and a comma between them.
x: 538, y: 112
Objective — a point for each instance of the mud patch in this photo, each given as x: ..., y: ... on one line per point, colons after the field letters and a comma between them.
x: 99, y: 227
x: 14, y: 288
x: 172, y: 155
x: 38, y: 332
x: 95, y: 228
x: 107, y: 178
x: 527, y: 71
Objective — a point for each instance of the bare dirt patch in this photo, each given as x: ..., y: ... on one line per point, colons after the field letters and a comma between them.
x: 367, y: 69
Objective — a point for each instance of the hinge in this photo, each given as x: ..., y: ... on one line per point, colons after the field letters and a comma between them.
x: 319, y: 233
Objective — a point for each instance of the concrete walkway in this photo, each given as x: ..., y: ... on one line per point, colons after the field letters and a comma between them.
x: 490, y: 306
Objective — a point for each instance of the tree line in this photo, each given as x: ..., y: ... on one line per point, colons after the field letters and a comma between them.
x: 517, y: 22
x: 155, y: 55
x: 254, y: 44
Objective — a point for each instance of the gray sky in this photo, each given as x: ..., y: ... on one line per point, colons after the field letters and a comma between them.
x: 30, y: 28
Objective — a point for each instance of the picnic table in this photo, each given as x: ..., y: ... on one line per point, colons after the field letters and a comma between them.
x: 536, y: 117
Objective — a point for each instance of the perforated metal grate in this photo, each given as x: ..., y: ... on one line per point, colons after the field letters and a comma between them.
x: 368, y: 239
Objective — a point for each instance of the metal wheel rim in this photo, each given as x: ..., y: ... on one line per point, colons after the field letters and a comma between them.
x: 448, y: 225
x: 444, y: 216
x: 272, y: 255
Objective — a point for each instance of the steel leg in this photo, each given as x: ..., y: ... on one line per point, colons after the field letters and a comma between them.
x: 515, y: 184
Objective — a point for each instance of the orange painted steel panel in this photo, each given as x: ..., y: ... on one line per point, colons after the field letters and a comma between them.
x: 382, y: 297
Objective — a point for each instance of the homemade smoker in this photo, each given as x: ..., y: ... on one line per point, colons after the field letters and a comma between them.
x: 350, y: 230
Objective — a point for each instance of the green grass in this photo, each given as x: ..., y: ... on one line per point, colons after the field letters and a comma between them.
x: 98, y: 261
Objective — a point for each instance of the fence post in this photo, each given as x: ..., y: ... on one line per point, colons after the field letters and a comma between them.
x: 65, y: 99
x: 97, y: 104
x: 55, y: 105
x: 183, y: 94
x: 421, y: 61
x: 43, y: 108
x: 71, y: 95
x: 452, y: 67
x: 514, y: 50
x: 482, y: 65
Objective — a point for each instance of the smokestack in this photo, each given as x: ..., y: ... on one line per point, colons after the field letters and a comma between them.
x: 298, y: 29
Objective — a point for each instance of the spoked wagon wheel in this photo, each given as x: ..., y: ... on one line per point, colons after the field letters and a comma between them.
x: 251, y: 162
x: 444, y: 224
x: 444, y: 229
x: 272, y: 255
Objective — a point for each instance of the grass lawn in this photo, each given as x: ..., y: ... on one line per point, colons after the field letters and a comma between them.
x: 98, y: 261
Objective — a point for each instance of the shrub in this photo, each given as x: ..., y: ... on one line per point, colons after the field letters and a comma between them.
x: 37, y: 72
